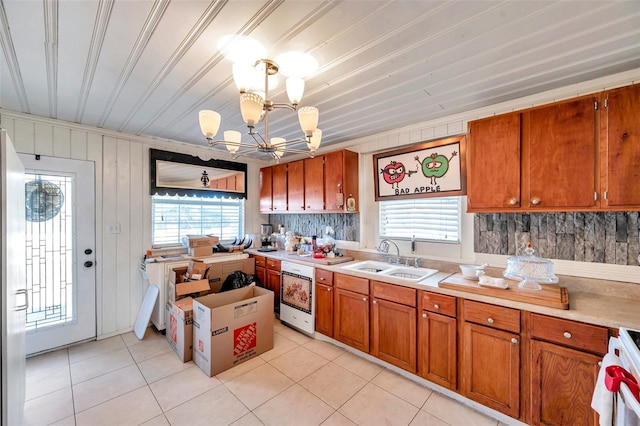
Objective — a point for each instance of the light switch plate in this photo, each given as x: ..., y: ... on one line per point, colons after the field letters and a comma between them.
x: 113, y: 228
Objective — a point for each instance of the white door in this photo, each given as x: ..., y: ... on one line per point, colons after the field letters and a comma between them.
x: 14, y: 301
x: 60, y: 251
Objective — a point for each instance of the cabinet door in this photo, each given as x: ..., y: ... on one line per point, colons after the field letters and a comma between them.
x: 394, y: 333
x: 334, y: 181
x: 351, y: 319
x: 295, y: 186
x: 266, y: 202
x: 261, y: 273
x: 493, y: 176
x: 273, y: 280
x: 562, y: 148
x: 491, y: 368
x: 314, y: 184
x: 562, y: 383
x: 279, y: 187
x: 437, y: 356
x: 324, y: 309
x: 621, y: 136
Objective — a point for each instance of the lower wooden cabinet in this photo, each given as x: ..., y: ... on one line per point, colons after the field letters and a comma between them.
x: 273, y: 282
x: 490, y: 365
x: 324, y: 302
x: 564, y: 369
x: 562, y: 383
x: 393, y: 325
x: 437, y: 339
x: 351, y: 311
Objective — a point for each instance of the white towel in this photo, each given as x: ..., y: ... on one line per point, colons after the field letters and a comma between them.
x: 602, y: 400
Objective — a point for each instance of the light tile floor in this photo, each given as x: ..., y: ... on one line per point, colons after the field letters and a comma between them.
x: 302, y: 381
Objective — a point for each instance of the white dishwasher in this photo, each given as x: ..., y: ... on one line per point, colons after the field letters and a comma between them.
x: 297, y: 289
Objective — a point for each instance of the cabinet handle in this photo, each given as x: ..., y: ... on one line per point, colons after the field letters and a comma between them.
x: 321, y: 278
x: 567, y: 334
x: 514, y: 340
x: 535, y: 201
x: 364, y: 299
x: 424, y: 315
x: 513, y: 202
x: 374, y: 302
x: 436, y: 306
x: 490, y: 320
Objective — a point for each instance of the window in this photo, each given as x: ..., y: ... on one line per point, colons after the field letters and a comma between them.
x: 435, y: 219
x: 177, y: 216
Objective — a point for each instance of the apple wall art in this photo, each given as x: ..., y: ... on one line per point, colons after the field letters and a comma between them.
x: 430, y: 169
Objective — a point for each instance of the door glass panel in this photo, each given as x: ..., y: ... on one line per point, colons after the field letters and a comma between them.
x: 49, y: 251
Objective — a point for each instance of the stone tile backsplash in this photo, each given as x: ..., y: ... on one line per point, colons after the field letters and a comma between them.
x: 601, y: 237
x: 346, y: 226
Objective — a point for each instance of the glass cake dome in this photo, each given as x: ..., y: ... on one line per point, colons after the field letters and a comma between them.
x: 530, y: 269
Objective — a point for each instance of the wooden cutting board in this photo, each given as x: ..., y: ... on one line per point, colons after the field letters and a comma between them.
x: 551, y: 295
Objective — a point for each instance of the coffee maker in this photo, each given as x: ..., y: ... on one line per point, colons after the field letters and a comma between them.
x: 265, y: 234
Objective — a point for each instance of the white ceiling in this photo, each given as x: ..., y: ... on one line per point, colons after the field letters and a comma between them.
x: 147, y: 67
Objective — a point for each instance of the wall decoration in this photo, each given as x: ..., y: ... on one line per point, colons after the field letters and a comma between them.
x: 430, y: 169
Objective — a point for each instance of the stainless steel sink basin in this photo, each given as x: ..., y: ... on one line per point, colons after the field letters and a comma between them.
x: 369, y: 266
x: 409, y: 273
x: 391, y: 270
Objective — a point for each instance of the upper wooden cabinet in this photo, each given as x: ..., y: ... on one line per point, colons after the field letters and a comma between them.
x: 577, y: 155
x: 620, y: 148
x: 543, y: 159
x: 493, y: 175
x: 266, y: 192
x: 279, y: 188
x: 314, y: 185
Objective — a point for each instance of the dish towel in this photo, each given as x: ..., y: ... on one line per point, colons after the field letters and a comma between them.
x: 602, y: 400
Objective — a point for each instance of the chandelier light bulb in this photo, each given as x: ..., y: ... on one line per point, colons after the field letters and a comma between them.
x: 232, y: 140
x: 209, y: 123
x: 251, y: 106
x: 279, y: 144
x: 295, y: 89
x: 314, y: 141
x: 308, y: 117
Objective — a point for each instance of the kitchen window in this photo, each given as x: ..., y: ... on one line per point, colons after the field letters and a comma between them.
x: 432, y: 219
x: 174, y: 217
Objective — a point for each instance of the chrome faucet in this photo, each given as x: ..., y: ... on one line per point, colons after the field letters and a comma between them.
x: 383, y: 247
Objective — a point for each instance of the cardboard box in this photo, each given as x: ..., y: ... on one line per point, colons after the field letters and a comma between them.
x: 200, y: 251
x: 200, y: 241
x: 231, y: 327
x: 197, y: 267
x: 179, y: 289
x: 179, y: 320
x: 218, y: 272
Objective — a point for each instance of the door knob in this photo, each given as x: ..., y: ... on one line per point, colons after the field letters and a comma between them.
x: 88, y: 264
x: 88, y: 251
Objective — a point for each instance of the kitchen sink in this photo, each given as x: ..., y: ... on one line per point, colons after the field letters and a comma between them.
x: 369, y: 266
x: 408, y: 272
x: 391, y: 270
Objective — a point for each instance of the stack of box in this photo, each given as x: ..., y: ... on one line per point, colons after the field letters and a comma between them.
x: 201, y: 245
x: 182, y: 293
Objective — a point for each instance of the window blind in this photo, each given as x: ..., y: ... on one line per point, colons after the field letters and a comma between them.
x: 175, y: 217
x: 436, y: 219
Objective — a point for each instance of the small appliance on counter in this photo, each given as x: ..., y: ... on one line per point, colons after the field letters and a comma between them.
x: 265, y: 234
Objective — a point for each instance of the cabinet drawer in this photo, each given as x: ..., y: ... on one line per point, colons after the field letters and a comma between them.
x: 261, y: 262
x: 438, y: 303
x: 273, y: 264
x: 324, y: 277
x: 492, y: 316
x: 347, y: 282
x: 577, y: 335
x: 394, y: 293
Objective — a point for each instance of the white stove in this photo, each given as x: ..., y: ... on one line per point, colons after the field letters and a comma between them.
x: 627, y: 345
x: 297, y: 290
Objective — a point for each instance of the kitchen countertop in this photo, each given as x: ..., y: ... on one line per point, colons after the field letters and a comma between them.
x: 594, y: 308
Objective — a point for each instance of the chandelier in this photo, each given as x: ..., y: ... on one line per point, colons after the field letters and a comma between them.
x: 255, y: 105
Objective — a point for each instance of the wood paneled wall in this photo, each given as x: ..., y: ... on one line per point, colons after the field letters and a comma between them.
x: 121, y: 197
